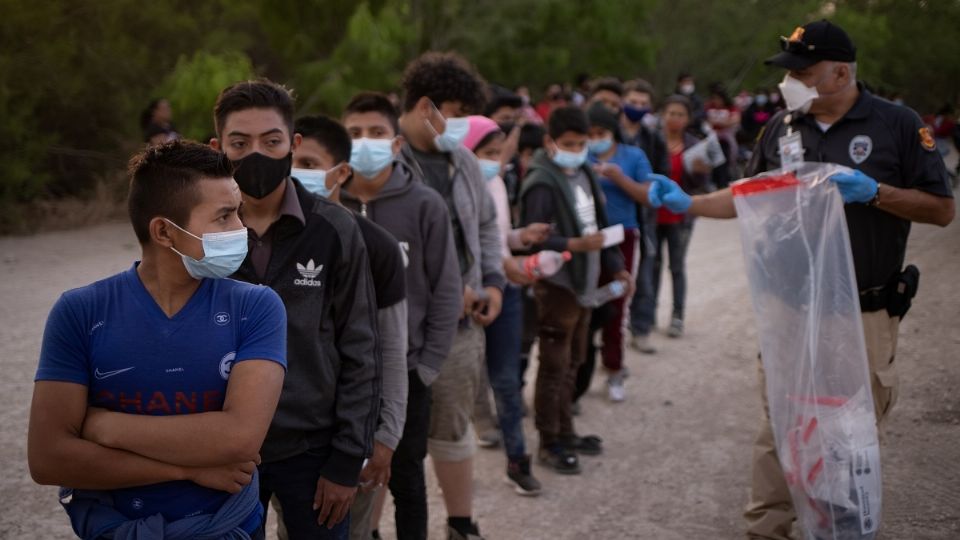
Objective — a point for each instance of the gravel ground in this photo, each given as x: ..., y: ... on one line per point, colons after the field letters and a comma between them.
x: 677, y: 451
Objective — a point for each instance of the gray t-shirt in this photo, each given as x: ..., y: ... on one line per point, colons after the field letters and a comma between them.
x: 587, y: 217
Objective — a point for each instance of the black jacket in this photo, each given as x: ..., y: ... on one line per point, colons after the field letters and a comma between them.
x: 331, y: 393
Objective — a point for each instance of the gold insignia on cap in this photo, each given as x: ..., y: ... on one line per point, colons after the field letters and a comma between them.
x: 797, y: 35
x: 926, y: 138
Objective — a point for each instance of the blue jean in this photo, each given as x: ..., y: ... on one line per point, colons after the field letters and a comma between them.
x: 294, y: 481
x: 643, y: 308
x: 503, y: 364
x: 677, y: 239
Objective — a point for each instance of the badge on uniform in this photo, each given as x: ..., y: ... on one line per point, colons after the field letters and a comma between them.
x: 791, y: 151
x: 926, y: 139
x: 860, y: 148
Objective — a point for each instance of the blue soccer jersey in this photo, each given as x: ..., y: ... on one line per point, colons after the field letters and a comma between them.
x: 113, y: 338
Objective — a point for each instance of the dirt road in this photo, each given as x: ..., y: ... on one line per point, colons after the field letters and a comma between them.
x: 677, y: 457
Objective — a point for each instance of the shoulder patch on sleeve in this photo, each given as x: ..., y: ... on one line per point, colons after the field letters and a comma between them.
x: 926, y: 139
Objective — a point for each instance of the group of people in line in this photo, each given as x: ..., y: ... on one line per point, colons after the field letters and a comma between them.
x: 322, y: 302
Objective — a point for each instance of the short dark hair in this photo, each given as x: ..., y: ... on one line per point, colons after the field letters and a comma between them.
x: 570, y: 118
x: 680, y: 100
x: 146, y: 116
x: 376, y: 102
x: 163, y: 182
x: 719, y: 90
x: 638, y: 85
x: 610, y: 84
x: 442, y: 77
x: 531, y: 137
x: 501, y: 97
x: 329, y: 133
x: 258, y: 94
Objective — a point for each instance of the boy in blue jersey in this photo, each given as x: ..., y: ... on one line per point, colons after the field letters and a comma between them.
x: 623, y: 170
x: 156, y: 386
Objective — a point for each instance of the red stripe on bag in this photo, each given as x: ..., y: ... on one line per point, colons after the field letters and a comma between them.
x: 752, y: 186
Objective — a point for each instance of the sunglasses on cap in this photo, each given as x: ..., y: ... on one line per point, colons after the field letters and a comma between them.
x: 795, y: 44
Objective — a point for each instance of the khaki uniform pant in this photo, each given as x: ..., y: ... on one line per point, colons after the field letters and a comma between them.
x: 770, y: 512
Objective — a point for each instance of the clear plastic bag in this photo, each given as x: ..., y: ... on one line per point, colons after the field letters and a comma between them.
x: 804, y: 291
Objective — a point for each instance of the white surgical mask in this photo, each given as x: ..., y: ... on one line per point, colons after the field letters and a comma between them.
x: 489, y: 168
x: 314, y: 180
x: 223, y: 253
x: 453, y: 134
x: 687, y: 89
x: 797, y: 96
x: 569, y: 160
x: 369, y: 157
x: 600, y: 146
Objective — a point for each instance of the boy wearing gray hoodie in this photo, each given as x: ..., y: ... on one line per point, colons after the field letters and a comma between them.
x: 440, y: 90
x: 388, y: 193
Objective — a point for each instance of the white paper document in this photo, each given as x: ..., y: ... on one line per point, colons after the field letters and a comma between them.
x: 612, y: 235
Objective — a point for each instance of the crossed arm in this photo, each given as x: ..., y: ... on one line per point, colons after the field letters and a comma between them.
x: 95, y: 449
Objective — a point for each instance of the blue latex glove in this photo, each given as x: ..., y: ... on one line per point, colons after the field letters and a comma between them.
x: 855, y: 187
x: 667, y: 193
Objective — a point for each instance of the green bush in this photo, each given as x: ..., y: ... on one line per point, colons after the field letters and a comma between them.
x: 193, y: 85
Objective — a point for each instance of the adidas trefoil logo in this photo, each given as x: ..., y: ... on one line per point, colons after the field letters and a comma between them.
x: 309, y: 273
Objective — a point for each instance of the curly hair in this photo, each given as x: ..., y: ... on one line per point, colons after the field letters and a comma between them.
x: 443, y: 77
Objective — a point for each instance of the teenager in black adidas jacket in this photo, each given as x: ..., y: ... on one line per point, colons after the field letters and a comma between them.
x: 311, y: 252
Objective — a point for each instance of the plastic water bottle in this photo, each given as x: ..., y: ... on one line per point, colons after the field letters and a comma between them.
x: 598, y: 297
x: 545, y: 263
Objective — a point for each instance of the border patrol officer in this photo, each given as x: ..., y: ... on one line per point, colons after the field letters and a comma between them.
x: 898, y: 178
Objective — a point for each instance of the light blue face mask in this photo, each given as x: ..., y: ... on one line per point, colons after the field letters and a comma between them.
x: 453, y: 134
x: 600, y: 146
x: 489, y: 168
x: 369, y: 157
x: 314, y: 180
x: 222, y: 253
x: 569, y: 160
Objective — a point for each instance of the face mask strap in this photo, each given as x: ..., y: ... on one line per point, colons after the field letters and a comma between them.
x: 182, y: 229
x: 430, y: 124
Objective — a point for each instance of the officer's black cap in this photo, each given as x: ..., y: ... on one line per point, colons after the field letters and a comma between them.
x: 812, y: 43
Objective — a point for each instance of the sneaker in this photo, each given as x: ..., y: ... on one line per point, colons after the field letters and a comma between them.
x: 520, y: 477
x: 588, y: 445
x: 489, y: 438
x: 453, y: 534
x: 641, y: 343
x: 676, y: 328
x: 559, y: 459
x: 615, y: 389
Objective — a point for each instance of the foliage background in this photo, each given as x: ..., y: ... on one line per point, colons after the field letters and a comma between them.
x: 75, y: 74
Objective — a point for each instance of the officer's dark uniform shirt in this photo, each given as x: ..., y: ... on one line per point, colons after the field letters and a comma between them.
x: 886, y: 142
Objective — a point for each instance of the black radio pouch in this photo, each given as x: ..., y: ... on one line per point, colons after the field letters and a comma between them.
x: 902, y: 290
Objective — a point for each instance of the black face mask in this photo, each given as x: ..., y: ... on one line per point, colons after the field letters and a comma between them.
x: 258, y: 175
